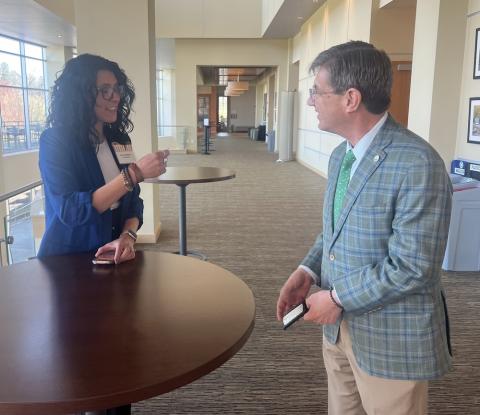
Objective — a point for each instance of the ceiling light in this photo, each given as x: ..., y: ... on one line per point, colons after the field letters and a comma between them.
x: 238, y: 85
x: 229, y: 92
x: 59, y: 36
x: 232, y: 93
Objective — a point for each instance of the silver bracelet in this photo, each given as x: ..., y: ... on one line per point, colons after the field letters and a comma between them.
x: 131, y: 234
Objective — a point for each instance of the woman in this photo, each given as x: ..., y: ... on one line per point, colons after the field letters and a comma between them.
x: 87, y: 165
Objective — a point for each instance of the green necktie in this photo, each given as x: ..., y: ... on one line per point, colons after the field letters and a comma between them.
x: 342, y: 184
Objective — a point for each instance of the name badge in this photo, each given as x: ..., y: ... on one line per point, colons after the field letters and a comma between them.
x: 124, y: 153
x: 475, y: 167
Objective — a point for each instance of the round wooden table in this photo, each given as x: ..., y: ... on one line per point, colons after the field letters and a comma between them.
x: 183, y: 176
x: 76, y: 336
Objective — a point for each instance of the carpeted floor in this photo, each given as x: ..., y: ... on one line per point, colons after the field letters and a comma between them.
x: 259, y: 226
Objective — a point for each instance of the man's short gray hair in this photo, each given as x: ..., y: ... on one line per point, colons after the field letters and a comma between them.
x: 359, y: 65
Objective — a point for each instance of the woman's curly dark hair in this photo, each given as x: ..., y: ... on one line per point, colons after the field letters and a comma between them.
x: 72, y: 105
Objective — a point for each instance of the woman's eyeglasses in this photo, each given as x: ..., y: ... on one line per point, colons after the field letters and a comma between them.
x: 108, y: 90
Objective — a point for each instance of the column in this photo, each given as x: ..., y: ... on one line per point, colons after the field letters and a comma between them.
x: 437, y: 72
x: 124, y: 31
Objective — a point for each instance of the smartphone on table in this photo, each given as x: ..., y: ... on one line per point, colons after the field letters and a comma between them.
x: 104, y: 259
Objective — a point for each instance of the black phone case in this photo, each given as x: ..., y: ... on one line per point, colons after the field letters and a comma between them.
x: 303, y: 312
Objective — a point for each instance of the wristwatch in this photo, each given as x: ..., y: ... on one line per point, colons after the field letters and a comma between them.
x: 131, y: 234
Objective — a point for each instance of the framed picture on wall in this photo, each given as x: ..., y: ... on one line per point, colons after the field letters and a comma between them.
x: 476, y: 58
x: 474, y: 121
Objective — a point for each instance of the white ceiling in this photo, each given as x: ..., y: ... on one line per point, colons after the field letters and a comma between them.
x: 290, y: 17
x: 397, y: 4
x: 27, y: 20
x: 30, y: 21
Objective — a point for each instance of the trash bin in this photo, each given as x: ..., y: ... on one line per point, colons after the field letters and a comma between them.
x: 271, y: 141
x: 463, y: 244
x: 261, y: 132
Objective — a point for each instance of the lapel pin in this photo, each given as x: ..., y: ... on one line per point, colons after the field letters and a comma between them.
x: 376, y: 158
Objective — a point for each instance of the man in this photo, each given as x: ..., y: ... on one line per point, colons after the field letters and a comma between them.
x: 385, y: 224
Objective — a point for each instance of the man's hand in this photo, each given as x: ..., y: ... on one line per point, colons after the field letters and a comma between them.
x: 293, y: 292
x: 321, y: 308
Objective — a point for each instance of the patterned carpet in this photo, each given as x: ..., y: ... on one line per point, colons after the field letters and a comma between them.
x: 259, y: 226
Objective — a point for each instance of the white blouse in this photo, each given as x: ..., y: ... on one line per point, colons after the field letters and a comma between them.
x: 108, y: 166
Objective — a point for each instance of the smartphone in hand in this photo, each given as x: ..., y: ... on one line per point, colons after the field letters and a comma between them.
x: 294, y: 314
x: 104, y: 259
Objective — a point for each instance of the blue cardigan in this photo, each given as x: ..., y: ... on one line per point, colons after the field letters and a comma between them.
x: 71, y: 173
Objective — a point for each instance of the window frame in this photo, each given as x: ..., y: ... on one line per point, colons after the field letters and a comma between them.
x: 25, y: 89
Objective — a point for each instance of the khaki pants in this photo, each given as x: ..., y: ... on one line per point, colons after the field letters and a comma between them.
x: 351, y: 391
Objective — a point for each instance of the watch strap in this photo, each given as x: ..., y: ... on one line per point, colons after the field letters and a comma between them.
x: 131, y: 234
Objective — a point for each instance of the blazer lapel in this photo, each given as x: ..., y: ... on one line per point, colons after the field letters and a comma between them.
x: 334, y: 171
x: 372, y: 159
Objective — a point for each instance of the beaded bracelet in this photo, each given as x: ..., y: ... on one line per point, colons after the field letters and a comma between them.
x: 127, y: 180
x: 333, y: 299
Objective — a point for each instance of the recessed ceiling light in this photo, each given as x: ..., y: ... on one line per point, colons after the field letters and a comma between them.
x: 299, y: 17
x: 59, y: 36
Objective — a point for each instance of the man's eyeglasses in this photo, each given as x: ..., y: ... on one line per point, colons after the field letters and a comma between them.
x: 108, y: 90
x: 313, y: 91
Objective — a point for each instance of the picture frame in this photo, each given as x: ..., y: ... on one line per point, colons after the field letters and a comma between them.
x: 473, y: 135
x: 476, y: 58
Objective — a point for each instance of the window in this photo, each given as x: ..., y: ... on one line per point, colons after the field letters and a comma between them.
x: 164, y: 102
x: 203, y: 109
x: 222, y: 113
x: 23, y: 94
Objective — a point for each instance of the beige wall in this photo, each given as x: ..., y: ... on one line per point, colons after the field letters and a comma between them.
x: 205, y: 19
x: 244, y: 108
x: 337, y: 21
x: 260, y: 89
x: 470, y: 87
x: 56, y: 58
x: 437, y: 73
x: 269, y: 10
x: 135, y: 53
x: 393, y: 30
x: 190, y: 53
x: 440, y: 86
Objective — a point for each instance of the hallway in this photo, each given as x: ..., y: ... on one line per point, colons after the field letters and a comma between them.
x: 259, y: 226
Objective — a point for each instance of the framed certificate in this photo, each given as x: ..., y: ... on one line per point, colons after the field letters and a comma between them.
x: 474, y: 121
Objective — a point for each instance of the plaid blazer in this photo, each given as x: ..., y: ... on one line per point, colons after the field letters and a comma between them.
x: 384, y: 256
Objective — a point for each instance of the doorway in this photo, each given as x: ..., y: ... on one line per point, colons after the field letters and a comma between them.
x: 400, y: 97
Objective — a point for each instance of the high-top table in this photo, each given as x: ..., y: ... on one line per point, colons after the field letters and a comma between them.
x: 183, y: 176
x: 76, y: 336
